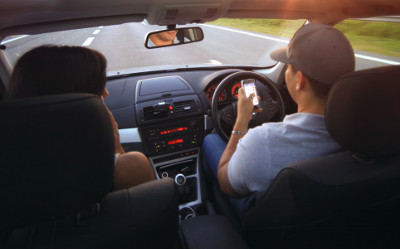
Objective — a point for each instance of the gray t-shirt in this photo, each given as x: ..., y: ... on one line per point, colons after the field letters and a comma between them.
x: 267, y: 149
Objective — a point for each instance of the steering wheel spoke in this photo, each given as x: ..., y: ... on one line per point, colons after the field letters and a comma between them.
x: 272, y: 107
x: 228, y: 114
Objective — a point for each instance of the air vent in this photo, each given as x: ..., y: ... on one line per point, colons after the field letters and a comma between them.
x: 184, y: 107
x: 149, y: 114
x: 171, y: 14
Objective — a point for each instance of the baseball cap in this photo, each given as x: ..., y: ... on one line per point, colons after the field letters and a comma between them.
x: 319, y: 51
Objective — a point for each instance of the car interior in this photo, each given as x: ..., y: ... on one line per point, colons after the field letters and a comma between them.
x: 56, y: 158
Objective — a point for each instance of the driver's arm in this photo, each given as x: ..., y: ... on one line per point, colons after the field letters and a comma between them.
x: 245, y: 108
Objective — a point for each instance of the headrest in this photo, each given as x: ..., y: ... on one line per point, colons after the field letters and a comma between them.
x: 363, y: 112
x: 56, y: 157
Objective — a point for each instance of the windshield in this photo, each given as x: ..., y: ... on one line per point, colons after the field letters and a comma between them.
x: 227, y: 42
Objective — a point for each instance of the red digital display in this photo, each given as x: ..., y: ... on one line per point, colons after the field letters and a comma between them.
x: 177, y: 141
x: 173, y: 130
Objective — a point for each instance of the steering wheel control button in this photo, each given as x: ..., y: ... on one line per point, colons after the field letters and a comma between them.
x: 180, y: 179
x: 227, y: 117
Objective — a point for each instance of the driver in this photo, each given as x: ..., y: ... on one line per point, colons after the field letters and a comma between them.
x: 316, y: 57
x: 164, y: 38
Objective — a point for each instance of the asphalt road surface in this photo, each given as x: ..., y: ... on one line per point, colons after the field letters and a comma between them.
x: 123, y: 46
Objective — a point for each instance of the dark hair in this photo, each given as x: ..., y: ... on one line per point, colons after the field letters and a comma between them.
x: 58, y: 69
x: 320, y: 90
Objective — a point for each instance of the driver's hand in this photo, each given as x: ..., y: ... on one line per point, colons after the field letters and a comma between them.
x: 245, y: 106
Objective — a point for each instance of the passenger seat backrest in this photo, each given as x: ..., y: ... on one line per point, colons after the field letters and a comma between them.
x: 363, y: 112
x: 56, y: 157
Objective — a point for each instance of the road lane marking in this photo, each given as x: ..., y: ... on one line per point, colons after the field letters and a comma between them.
x: 88, y: 41
x: 96, y: 32
x: 100, y: 27
x: 377, y: 59
x: 215, y: 62
x: 390, y: 62
x: 14, y: 39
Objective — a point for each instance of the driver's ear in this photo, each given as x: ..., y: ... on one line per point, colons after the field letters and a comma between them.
x: 300, y: 80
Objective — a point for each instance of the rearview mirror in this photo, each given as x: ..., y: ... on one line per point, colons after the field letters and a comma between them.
x: 173, y: 37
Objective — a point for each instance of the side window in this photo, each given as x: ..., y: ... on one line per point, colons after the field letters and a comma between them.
x: 376, y: 41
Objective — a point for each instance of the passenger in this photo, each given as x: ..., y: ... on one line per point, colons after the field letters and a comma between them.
x: 55, y: 70
x: 316, y: 57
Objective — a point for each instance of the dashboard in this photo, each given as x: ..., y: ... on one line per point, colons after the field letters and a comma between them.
x: 131, y: 97
x: 167, y: 114
x: 148, y: 105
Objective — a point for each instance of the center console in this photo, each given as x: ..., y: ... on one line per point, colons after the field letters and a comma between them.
x: 171, y: 127
x: 183, y: 167
x: 175, y: 150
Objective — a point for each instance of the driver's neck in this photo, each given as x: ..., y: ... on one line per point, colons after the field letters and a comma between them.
x: 311, y: 104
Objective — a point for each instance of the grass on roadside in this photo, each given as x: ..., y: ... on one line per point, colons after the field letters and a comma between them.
x: 276, y: 27
x: 371, y: 36
x: 376, y: 37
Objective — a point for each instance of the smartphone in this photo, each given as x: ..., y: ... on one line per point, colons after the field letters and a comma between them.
x: 249, y: 87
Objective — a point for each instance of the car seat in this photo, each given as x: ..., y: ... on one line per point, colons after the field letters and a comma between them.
x: 345, y: 200
x: 56, y: 177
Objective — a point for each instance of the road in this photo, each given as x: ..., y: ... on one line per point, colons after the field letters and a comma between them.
x: 124, y: 49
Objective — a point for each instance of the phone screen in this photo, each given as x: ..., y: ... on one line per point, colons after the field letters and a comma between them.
x: 249, y: 87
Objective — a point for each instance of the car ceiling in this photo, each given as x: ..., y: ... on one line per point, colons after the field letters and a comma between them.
x: 38, y: 16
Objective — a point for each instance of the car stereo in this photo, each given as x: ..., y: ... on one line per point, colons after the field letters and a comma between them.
x: 172, y: 137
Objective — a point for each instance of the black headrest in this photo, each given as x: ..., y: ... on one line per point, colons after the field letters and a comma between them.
x: 363, y: 112
x: 56, y: 157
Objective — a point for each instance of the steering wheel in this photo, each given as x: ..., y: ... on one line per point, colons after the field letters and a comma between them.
x: 272, y: 106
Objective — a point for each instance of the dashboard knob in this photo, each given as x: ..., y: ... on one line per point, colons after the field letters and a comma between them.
x: 180, y: 179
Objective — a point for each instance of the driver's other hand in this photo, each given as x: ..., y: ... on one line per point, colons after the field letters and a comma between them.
x: 245, y: 106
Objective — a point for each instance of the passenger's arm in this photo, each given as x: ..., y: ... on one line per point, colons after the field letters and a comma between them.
x: 245, y: 108
x: 118, y: 146
x: 117, y: 143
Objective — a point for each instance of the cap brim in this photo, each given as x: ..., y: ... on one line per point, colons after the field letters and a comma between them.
x: 280, y: 55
